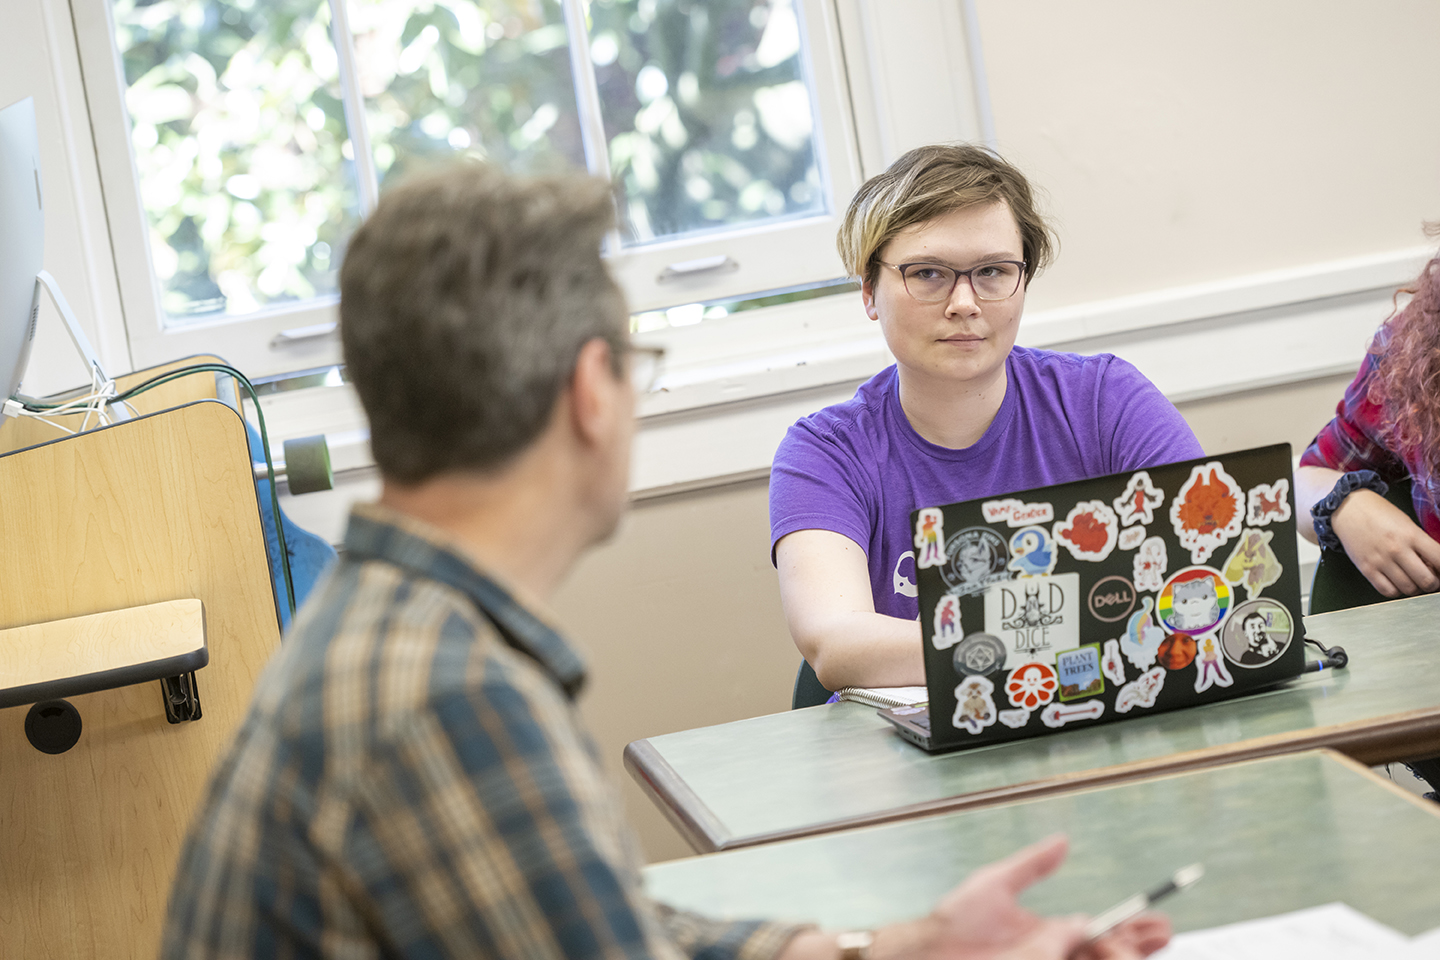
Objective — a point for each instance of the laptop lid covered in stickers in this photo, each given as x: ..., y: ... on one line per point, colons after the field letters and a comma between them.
x: 1108, y: 598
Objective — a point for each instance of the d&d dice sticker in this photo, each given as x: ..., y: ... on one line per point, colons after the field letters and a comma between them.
x: 1034, y: 616
x: 1058, y: 714
x: 974, y: 707
x: 1268, y: 502
x: 1139, y: 501
x: 1089, y: 531
x: 1141, y: 692
x: 979, y: 654
x: 1207, y: 511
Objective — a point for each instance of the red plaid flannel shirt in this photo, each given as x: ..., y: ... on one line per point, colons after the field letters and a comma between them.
x: 1354, y: 441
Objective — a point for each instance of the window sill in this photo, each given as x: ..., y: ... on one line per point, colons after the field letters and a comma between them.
x: 718, y: 421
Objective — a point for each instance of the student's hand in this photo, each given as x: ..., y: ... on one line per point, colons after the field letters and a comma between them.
x: 982, y: 918
x: 1395, y: 555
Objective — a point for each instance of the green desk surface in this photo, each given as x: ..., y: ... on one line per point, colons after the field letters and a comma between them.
x: 840, y: 765
x: 1274, y: 835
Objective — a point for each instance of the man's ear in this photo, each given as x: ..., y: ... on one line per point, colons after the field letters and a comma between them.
x: 597, y: 395
x: 867, y: 295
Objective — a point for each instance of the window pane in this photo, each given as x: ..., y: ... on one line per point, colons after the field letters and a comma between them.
x: 487, y: 77
x: 707, y: 113
x: 244, y: 158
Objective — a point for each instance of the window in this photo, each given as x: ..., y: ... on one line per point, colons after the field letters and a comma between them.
x: 260, y: 132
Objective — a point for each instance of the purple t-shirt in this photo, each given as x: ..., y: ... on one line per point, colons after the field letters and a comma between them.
x: 859, y: 468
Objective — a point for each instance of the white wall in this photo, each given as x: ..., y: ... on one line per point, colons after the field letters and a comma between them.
x: 1181, y: 143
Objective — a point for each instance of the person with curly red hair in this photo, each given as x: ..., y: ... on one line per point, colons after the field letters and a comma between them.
x: 1386, y: 429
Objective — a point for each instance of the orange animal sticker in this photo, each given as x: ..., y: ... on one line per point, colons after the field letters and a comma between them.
x: 1208, y: 511
x: 1089, y: 532
x: 1269, y: 502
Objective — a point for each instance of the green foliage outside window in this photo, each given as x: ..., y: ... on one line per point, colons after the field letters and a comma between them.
x: 246, y: 159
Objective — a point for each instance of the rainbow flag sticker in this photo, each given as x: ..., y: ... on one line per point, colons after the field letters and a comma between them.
x: 1194, y: 601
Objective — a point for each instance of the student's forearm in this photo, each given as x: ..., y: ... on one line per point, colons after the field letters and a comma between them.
x: 1312, y: 484
x: 859, y: 649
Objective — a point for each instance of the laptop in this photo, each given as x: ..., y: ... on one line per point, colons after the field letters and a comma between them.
x: 1082, y: 603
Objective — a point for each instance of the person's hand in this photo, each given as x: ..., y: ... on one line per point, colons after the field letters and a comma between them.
x: 1396, y: 556
x: 981, y: 919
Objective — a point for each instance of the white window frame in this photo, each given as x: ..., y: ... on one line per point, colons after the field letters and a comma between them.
x: 860, y: 124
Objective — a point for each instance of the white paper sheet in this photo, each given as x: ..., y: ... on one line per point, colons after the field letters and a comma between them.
x: 1332, y: 932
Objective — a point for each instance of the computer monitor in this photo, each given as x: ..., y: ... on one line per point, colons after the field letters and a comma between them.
x: 22, y: 240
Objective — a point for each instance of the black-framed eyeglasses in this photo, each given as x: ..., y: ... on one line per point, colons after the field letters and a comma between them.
x: 645, y: 366
x: 933, y: 282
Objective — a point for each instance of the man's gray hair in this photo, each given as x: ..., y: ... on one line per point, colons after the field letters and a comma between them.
x: 464, y: 302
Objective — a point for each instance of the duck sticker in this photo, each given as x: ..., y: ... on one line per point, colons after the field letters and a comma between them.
x: 1253, y: 564
x: 974, y: 706
x: 1033, y: 551
x: 1139, y: 501
x: 1268, y: 502
x: 1141, y: 692
x: 1089, y: 531
x: 1141, y: 643
x: 1210, y: 668
x: 1208, y: 511
x: 1149, y: 567
x: 1193, y: 601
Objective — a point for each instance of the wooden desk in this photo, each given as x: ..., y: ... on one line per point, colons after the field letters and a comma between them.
x: 146, y: 511
x: 1275, y: 835
x: 840, y: 766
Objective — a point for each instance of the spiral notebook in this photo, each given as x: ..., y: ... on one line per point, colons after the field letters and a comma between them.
x: 1099, y: 600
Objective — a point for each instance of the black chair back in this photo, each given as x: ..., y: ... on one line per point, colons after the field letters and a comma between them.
x: 809, y: 691
x: 1338, y: 583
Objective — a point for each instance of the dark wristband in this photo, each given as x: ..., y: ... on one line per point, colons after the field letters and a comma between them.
x: 1321, y: 513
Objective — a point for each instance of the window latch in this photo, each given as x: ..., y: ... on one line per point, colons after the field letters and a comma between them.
x: 297, y: 334
x: 693, y: 268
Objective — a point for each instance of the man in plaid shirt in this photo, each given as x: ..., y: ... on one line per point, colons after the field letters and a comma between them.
x: 412, y: 779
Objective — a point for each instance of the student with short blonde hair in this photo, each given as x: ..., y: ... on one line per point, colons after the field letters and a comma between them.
x: 945, y: 244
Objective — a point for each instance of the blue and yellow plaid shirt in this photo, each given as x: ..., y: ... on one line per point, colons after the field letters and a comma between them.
x: 412, y: 781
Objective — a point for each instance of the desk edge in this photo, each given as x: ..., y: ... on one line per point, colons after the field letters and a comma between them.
x: 685, y: 810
